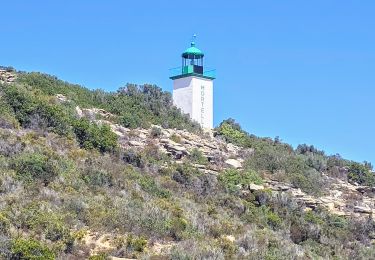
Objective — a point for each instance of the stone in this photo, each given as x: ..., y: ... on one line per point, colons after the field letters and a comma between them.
x: 210, y: 145
x: 200, y: 166
x: 142, y: 135
x: 232, y: 148
x: 363, y: 209
x: 61, y: 98
x: 135, y: 143
x: 230, y: 238
x: 330, y: 205
x: 310, y: 202
x: 234, y: 163
x: 79, y: 111
x: 282, y: 187
x: 212, y: 172
x: 298, y: 193
x: 255, y: 187
x: 177, y: 148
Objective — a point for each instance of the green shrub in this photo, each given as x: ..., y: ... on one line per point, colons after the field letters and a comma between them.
x: 361, y: 174
x: 30, y: 249
x: 97, y: 177
x: 233, y: 179
x: 229, y: 248
x: 185, y: 173
x: 149, y: 185
x: 35, y: 166
x: 132, y: 121
x: 310, y: 181
x: 196, y: 156
x: 178, y: 227
x: 4, y: 224
x: 134, y: 243
x: 93, y: 136
x: 7, y: 117
x: 232, y: 134
x: 313, y: 218
x: 156, y: 132
x: 273, y: 219
x: 51, y: 85
x: 35, y: 111
x: 176, y: 138
x: 101, y: 256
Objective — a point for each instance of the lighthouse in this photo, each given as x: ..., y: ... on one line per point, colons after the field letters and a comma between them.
x: 193, y: 87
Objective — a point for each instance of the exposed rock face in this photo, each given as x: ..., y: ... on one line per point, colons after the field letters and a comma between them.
x: 344, y: 199
x: 7, y: 76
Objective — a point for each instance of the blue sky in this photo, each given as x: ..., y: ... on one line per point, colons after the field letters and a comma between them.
x: 301, y: 70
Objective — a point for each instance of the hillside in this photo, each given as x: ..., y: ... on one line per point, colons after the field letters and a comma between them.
x: 87, y: 174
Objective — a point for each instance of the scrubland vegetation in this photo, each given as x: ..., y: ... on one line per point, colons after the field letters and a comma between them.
x: 62, y: 177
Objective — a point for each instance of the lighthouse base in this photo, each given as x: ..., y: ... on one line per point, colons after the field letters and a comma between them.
x: 194, y: 96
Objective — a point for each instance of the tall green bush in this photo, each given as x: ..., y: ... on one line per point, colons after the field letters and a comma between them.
x: 93, y: 136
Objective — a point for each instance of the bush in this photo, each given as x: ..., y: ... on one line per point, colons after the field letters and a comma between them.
x: 361, y: 174
x: 134, y: 243
x: 273, y: 219
x: 35, y: 166
x: 35, y: 111
x: 149, y: 185
x: 133, y: 158
x: 178, y: 227
x: 233, y: 179
x: 4, y: 224
x: 10, y: 145
x: 196, y: 156
x: 232, y: 132
x: 92, y: 136
x: 135, y: 106
x: 309, y: 180
x: 176, y: 138
x: 156, y: 132
x: 30, y: 249
x: 97, y: 177
x: 101, y: 256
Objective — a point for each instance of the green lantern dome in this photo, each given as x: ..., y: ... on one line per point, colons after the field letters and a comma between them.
x: 192, y: 52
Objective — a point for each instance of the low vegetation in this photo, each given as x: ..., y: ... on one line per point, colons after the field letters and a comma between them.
x: 61, y: 175
x: 302, y: 166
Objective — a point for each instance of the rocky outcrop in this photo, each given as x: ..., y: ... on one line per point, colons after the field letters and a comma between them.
x: 7, y: 76
x: 343, y: 198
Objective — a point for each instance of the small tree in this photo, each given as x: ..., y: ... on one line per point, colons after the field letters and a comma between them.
x: 361, y: 174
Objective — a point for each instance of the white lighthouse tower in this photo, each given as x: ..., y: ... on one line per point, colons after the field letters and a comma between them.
x: 193, y: 87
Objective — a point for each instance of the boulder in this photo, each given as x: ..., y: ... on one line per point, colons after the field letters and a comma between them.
x: 255, y: 187
x: 135, y: 143
x: 79, y: 111
x: 61, y: 98
x: 234, y: 163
